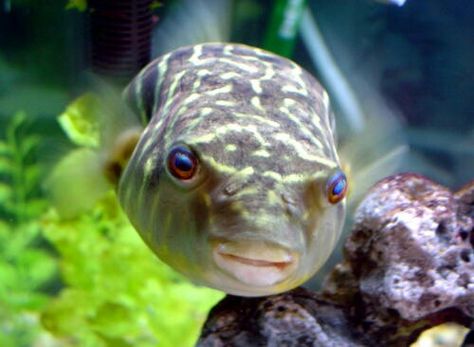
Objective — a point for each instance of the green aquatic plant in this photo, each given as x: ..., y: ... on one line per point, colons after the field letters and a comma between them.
x: 25, y: 272
x: 26, y: 267
x: 20, y: 172
x: 116, y: 292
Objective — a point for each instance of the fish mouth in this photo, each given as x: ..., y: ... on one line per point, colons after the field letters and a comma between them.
x: 257, y: 264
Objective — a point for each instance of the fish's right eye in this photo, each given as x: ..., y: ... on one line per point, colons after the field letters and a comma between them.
x: 182, y: 163
x: 336, y: 187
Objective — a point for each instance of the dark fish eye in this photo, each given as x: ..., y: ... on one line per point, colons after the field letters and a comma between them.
x: 336, y: 187
x: 182, y: 163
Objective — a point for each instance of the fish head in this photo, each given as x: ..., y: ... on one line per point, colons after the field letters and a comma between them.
x: 235, y: 207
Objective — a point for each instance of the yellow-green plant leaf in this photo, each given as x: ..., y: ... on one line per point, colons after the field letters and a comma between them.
x: 35, y: 207
x: 4, y: 150
x: 8, y: 276
x: 27, y: 300
x: 32, y: 174
x: 28, y: 144
x: 19, y: 119
x: 80, y: 5
x: 36, y: 266
x: 80, y: 121
x: 6, y: 191
x: 6, y: 165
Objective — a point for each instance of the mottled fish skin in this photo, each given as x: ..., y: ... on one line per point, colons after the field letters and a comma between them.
x: 263, y: 132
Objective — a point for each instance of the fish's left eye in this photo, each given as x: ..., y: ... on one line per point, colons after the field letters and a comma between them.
x: 182, y: 163
x: 336, y: 187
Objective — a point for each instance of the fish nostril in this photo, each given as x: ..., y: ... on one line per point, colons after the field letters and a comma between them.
x: 234, y: 186
x: 290, y: 205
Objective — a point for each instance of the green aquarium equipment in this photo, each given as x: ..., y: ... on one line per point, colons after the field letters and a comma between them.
x: 283, y: 27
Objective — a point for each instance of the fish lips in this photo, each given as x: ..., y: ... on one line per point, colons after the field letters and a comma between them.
x: 253, y: 263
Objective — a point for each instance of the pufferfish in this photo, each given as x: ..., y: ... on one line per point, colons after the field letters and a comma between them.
x: 235, y: 180
x: 224, y: 159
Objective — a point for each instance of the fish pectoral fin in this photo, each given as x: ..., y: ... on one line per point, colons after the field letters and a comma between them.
x: 120, y: 153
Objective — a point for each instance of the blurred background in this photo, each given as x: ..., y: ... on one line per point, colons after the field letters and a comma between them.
x: 90, y: 281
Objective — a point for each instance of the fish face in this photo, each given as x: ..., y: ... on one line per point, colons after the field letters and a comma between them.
x: 235, y: 180
x: 267, y: 239
x: 242, y: 223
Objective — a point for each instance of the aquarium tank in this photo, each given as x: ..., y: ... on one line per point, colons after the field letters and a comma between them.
x: 73, y: 270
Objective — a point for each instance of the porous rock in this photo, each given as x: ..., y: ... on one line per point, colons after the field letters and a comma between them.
x: 408, y: 266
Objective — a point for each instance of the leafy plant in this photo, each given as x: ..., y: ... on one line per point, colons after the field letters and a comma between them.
x: 26, y: 268
x: 117, y: 293
x: 20, y: 172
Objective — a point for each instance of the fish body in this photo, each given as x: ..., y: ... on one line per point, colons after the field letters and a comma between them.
x: 235, y: 181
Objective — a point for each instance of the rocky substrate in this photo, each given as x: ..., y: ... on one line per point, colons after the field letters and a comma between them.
x: 408, y: 266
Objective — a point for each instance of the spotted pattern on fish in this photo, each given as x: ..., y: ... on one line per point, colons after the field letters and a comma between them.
x: 264, y: 134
